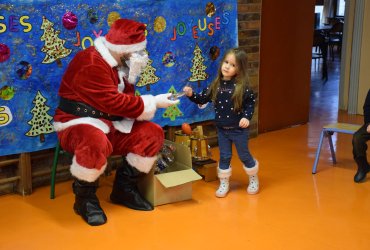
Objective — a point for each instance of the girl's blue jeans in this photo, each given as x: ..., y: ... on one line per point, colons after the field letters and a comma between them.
x: 238, y: 136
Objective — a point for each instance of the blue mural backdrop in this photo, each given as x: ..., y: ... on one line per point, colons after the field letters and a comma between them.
x: 38, y: 38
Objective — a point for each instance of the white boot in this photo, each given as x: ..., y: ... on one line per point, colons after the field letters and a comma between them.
x: 223, y: 175
x: 254, y: 184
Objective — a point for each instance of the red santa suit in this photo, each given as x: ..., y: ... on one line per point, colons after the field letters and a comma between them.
x: 94, y: 78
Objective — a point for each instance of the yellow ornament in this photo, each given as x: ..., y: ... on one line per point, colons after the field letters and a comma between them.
x: 159, y: 24
x: 112, y: 17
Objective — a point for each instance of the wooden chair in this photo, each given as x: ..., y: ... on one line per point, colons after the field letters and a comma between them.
x: 320, y: 43
x: 335, y: 36
x: 112, y: 160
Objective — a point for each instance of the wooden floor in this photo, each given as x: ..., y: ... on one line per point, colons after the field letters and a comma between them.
x: 294, y: 209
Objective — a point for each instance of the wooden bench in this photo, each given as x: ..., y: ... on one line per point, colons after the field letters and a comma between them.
x: 328, y: 131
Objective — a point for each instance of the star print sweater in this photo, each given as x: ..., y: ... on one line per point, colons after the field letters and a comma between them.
x: 224, y: 107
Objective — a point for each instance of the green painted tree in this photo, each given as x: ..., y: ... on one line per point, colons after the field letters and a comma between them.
x: 41, y: 120
x: 198, y: 68
x: 173, y: 111
x: 54, y: 46
x: 148, y: 76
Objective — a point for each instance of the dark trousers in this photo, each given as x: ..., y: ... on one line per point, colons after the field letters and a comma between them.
x: 359, y: 142
x: 238, y: 136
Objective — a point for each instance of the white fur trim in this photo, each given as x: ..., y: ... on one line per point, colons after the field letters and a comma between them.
x: 149, y: 108
x: 85, y: 174
x: 59, y: 126
x: 252, y: 170
x: 121, y: 75
x: 224, y: 173
x: 101, y: 47
x: 122, y: 48
x: 141, y: 163
x: 137, y: 64
x: 124, y: 125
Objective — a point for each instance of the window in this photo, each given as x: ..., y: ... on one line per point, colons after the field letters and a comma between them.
x: 341, y: 4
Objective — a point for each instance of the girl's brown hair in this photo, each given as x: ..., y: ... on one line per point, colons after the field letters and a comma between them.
x: 241, y: 78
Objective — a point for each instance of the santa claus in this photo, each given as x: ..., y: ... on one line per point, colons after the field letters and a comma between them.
x: 99, y: 115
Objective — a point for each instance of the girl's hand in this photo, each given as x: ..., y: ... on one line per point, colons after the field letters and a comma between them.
x: 244, y: 123
x: 188, y: 91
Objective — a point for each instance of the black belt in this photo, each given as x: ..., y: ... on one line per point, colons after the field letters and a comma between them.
x: 84, y: 110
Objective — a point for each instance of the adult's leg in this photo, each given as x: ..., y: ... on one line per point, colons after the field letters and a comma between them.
x: 90, y: 147
x: 139, y: 150
x: 359, y: 153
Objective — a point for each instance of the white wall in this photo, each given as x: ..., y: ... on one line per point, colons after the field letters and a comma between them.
x: 346, y: 83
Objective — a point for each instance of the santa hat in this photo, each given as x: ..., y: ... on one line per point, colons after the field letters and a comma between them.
x: 126, y: 36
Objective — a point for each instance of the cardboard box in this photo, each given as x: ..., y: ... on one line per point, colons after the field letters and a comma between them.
x: 175, y: 184
x: 207, y: 169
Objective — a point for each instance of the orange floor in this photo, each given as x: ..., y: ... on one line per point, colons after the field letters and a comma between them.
x: 294, y: 209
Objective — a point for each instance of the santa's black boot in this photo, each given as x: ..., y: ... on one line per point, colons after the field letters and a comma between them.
x: 87, y: 204
x: 362, y: 169
x: 125, y: 191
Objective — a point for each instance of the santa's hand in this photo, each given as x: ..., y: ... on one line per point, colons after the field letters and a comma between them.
x: 163, y: 100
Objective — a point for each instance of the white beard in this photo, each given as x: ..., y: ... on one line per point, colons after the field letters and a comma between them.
x: 136, y: 64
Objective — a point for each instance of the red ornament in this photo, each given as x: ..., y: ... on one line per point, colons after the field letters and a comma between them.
x: 69, y: 20
x: 4, y: 52
x: 186, y: 128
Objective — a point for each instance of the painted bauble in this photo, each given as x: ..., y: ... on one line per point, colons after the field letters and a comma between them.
x: 168, y: 59
x: 185, y: 127
x: 159, y: 24
x: 214, y: 52
x: 23, y: 70
x: 210, y: 9
x: 69, y: 20
x: 4, y: 52
x: 92, y: 15
x: 112, y: 17
x: 7, y: 93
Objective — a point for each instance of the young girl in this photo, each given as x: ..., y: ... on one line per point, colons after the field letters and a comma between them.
x: 234, y: 107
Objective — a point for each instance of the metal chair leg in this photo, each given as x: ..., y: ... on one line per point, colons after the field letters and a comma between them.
x: 329, y: 134
x: 318, y: 152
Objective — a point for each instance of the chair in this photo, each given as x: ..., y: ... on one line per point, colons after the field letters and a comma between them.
x: 335, y: 36
x: 328, y: 131
x: 320, y: 43
x: 57, y: 151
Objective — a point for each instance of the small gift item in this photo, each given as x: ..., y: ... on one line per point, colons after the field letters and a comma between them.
x: 166, y: 158
x: 186, y: 128
x: 69, y: 20
x: 4, y: 52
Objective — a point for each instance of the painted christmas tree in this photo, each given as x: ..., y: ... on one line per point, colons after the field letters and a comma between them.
x: 137, y: 93
x: 40, y: 122
x: 148, y: 76
x: 198, y: 68
x: 54, y: 46
x: 173, y: 111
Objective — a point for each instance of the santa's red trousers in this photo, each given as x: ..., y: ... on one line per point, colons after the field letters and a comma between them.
x: 91, y: 146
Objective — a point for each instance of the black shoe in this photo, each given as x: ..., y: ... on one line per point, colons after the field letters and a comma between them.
x: 362, y: 170
x: 125, y: 191
x: 360, y: 176
x: 131, y: 198
x: 87, y: 204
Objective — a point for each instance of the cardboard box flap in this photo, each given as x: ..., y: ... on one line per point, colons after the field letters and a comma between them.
x: 178, y: 178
